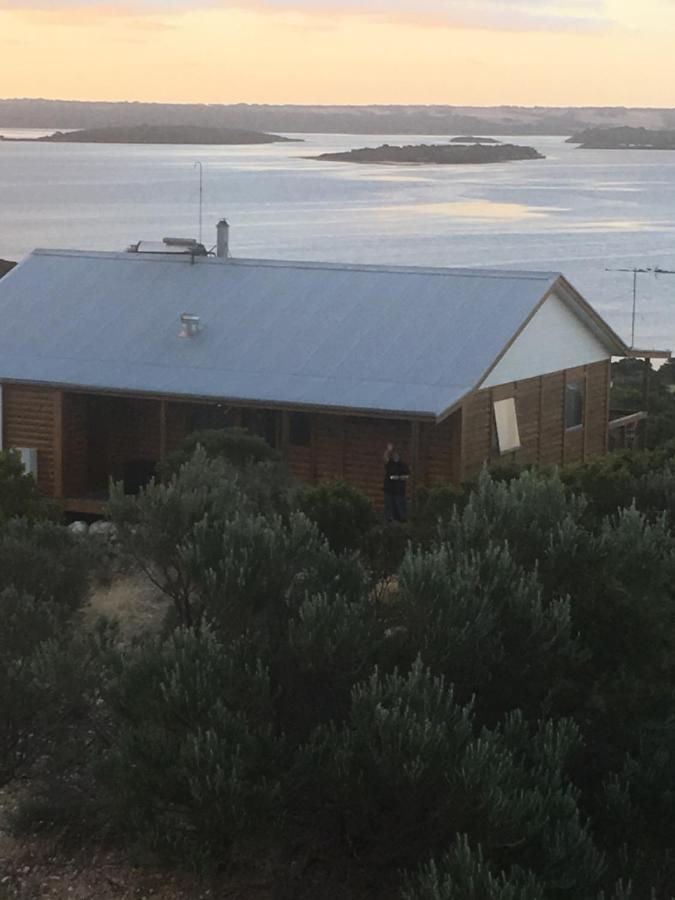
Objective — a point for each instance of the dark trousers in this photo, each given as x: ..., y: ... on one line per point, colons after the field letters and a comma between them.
x: 395, y: 508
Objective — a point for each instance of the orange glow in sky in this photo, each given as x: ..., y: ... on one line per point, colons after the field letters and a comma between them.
x: 470, y: 52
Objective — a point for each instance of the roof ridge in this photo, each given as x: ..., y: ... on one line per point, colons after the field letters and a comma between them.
x: 457, y: 271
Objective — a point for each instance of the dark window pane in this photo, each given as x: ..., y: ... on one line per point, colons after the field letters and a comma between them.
x: 300, y: 429
x: 574, y: 404
x: 204, y: 417
x: 264, y: 423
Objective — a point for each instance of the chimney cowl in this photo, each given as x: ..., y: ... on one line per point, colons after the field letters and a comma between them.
x: 223, y: 239
x: 190, y: 325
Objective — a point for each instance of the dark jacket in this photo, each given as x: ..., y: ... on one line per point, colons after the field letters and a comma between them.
x: 393, y: 468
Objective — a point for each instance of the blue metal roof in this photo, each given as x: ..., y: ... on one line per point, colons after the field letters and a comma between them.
x: 370, y: 338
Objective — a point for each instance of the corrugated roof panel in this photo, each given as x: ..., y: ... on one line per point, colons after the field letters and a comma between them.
x: 350, y: 337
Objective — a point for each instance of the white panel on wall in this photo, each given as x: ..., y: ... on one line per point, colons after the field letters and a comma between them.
x: 553, y: 340
x: 506, y: 420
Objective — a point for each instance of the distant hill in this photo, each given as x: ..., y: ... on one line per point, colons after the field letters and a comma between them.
x: 436, y: 154
x: 393, y: 119
x: 5, y: 266
x: 624, y: 138
x: 160, y: 134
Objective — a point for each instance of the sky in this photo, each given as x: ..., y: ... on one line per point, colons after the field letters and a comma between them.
x: 463, y: 52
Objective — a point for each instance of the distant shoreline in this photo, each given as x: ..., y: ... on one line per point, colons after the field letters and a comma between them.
x: 624, y: 139
x: 392, y: 119
x: 155, y: 134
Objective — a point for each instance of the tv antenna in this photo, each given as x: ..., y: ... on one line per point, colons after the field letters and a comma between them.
x: 198, y: 165
x: 636, y: 270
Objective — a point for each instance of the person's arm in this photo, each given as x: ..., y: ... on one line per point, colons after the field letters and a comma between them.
x: 387, y: 453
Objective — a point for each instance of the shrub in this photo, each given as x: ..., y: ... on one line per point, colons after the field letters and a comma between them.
x: 480, y: 620
x: 46, y: 562
x: 190, y: 764
x: 463, y: 874
x: 234, y: 445
x: 342, y: 513
x: 43, y: 673
x: 167, y: 528
x: 19, y: 494
x: 222, y: 540
x: 408, y: 772
x: 255, y: 571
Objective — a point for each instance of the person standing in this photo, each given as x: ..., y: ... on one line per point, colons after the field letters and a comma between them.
x: 396, y: 475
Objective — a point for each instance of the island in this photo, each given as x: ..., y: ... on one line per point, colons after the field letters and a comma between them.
x: 470, y: 139
x: 159, y: 134
x: 624, y: 138
x: 436, y: 154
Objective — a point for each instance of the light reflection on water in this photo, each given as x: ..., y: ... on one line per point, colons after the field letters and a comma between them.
x: 482, y: 209
x: 580, y: 212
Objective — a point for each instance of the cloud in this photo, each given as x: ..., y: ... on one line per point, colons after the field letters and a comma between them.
x: 503, y: 15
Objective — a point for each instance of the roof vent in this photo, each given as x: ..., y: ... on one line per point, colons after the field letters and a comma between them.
x: 190, y: 325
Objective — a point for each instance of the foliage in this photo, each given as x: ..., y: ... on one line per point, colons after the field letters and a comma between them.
x: 222, y: 541
x: 342, y: 513
x: 464, y: 874
x: 496, y: 719
x: 46, y: 562
x: 19, y: 494
x: 42, y: 673
x: 233, y: 445
x: 164, y: 527
x: 408, y: 771
x: 480, y: 619
x: 191, y: 762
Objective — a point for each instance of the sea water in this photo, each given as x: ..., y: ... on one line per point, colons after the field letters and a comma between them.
x: 585, y: 213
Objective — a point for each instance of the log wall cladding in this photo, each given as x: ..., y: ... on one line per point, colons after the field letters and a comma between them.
x: 83, y: 438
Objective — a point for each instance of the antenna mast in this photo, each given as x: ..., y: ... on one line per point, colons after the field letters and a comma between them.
x: 638, y: 271
x: 199, y: 166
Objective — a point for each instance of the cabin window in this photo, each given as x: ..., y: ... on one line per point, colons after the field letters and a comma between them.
x: 207, y: 416
x: 264, y: 423
x: 300, y: 429
x: 574, y: 403
x: 506, y: 425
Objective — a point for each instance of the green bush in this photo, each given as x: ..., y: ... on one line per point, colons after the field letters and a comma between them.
x: 19, y: 494
x: 343, y: 514
x: 168, y: 527
x: 463, y: 874
x: 44, y: 670
x: 234, y: 445
x: 479, y: 619
x: 409, y: 771
x: 222, y: 541
x: 190, y: 763
x: 46, y: 562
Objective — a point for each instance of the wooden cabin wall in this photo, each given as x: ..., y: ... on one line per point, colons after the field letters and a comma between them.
x: 351, y: 448
x: 32, y: 418
x: 540, y: 407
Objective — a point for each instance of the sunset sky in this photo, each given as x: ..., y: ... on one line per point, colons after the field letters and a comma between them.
x: 575, y: 52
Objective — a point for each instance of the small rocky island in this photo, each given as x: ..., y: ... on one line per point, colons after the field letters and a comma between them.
x: 160, y: 134
x: 624, y: 138
x: 436, y: 154
x: 470, y: 139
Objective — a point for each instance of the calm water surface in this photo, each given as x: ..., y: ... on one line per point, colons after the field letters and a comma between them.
x: 577, y: 211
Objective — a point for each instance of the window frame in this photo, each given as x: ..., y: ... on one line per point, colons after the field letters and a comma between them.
x: 306, y: 418
x: 579, y: 381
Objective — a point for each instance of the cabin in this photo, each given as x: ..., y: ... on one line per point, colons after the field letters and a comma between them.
x: 109, y: 360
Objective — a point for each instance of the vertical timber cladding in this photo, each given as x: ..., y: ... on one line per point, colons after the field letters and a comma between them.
x: 540, y: 405
x: 32, y: 418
